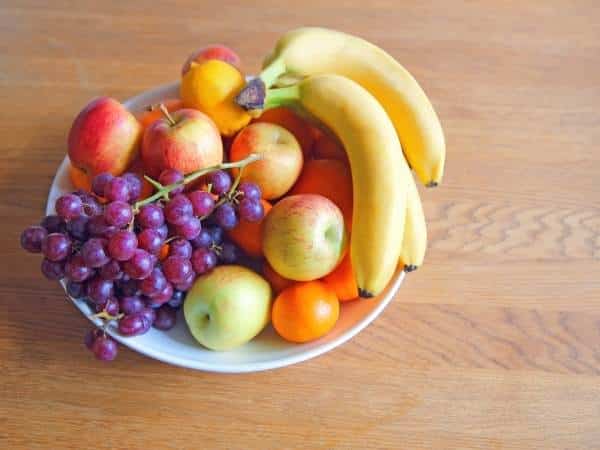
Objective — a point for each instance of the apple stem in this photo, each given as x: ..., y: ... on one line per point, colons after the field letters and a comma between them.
x: 163, y: 191
x: 165, y: 111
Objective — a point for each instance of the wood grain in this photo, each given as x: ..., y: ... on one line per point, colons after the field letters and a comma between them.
x: 493, y: 344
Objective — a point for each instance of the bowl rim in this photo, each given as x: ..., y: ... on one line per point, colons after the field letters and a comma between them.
x: 244, y: 367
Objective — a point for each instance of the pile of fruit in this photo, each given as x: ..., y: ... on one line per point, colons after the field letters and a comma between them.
x: 303, y: 172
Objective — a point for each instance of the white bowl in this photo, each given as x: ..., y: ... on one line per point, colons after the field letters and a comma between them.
x: 267, y: 350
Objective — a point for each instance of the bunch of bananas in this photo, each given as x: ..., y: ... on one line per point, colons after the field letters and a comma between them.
x: 386, y: 124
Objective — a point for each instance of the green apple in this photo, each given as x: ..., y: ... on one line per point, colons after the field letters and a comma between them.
x: 227, y: 307
x: 304, y: 236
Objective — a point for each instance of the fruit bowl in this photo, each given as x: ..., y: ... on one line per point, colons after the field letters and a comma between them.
x: 267, y: 350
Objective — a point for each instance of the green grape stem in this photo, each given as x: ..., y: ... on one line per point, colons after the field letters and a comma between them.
x: 163, y: 191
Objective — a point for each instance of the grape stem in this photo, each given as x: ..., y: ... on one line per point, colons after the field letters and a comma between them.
x: 163, y: 191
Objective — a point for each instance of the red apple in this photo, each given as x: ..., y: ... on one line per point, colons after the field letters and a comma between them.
x: 212, y: 52
x: 104, y: 137
x: 186, y: 140
x: 281, y: 161
x: 304, y: 237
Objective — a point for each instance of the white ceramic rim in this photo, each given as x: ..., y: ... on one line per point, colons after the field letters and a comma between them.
x: 388, y: 294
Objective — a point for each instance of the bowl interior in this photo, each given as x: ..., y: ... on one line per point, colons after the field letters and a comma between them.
x: 267, y: 350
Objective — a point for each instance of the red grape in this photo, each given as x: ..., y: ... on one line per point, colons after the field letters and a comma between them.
x: 131, y: 305
x: 187, y: 284
x: 139, y: 266
x: 69, y: 206
x: 162, y: 297
x: 165, y: 318
x: 226, y: 216
x: 116, y: 189
x: 126, y: 287
x: 91, y: 206
x: 180, y: 247
x: 229, y: 253
x: 216, y: 234
x: 76, y: 290
x: 77, y: 228
x: 134, y: 324
x: 122, y: 245
x: 250, y: 190
x: 177, y: 299
x: 53, y: 270
x: 91, y: 336
x: 95, y: 252
x: 154, y: 283
x: 171, y: 176
x: 111, y: 306
x: 177, y: 269
x: 99, y: 183
x: 99, y: 290
x: 56, y: 246
x: 203, y: 239
x: 76, y: 269
x: 97, y: 227
x: 134, y: 183
x: 220, y: 181
x: 150, y: 240
x: 32, y: 237
x: 203, y: 260
x: 178, y: 210
x: 118, y: 213
x: 53, y: 224
x: 111, y: 271
x: 251, y: 210
x: 150, y: 216
x: 190, y: 228
x: 202, y: 202
x: 149, y: 314
x: 104, y: 348
x: 163, y: 231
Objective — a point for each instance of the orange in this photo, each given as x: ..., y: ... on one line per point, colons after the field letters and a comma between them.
x: 330, y: 178
x: 248, y: 235
x: 342, y: 280
x: 289, y: 120
x: 305, y: 311
x: 277, y: 282
x: 153, y: 113
x: 327, y: 147
x: 164, y: 252
x: 79, y: 178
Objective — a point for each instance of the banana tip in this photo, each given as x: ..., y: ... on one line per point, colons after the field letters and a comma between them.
x: 432, y: 184
x: 410, y: 268
x: 363, y: 293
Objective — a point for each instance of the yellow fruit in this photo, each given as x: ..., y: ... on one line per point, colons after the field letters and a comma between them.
x: 312, y: 51
x: 211, y: 87
x: 414, y: 242
x: 379, y: 171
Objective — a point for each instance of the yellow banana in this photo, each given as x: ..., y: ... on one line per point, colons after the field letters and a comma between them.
x: 379, y: 171
x: 414, y: 241
x: 312, y: 51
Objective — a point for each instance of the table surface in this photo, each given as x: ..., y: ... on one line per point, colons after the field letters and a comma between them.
x: 493, y: 344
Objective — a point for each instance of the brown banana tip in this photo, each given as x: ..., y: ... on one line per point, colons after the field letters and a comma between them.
x: 432, y: 184
x: 363, y: 293
x: 410, y: 268
x: 253, y: 95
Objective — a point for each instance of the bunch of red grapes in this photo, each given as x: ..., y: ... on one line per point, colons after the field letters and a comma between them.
x: 109, y: 247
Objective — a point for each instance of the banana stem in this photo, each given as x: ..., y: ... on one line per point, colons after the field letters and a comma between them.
x: 284, y: 96
x: 273, y: 71
x: 252, y: 97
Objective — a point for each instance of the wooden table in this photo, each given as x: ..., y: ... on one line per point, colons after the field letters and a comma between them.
x: 493, y: 344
